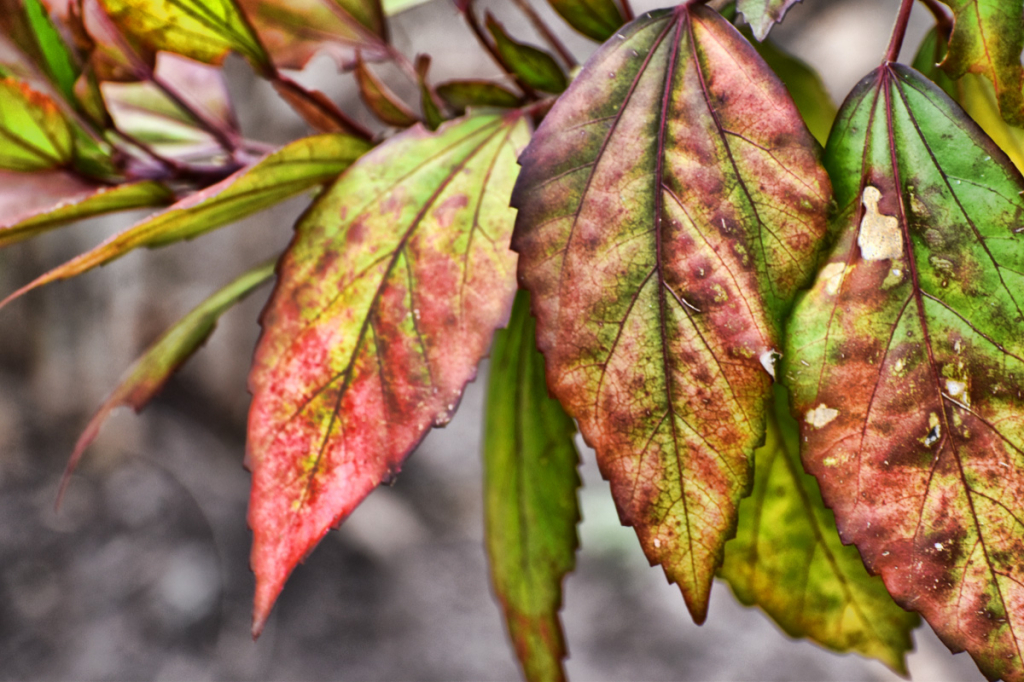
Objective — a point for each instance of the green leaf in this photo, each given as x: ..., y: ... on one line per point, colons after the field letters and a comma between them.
x: 787, y: 558
x: 929, y: 55
x: 204, y: 30
x: 369, y: 13
x: 530, y: 483
x: 65, y: 200
x: 433, y: 116
x: 34, y: 135
x: 293, y: 31
x: 59, y: 63
x: 535, y: 67
x: 670, y: 206
x: 380, y: 100
x: 393, y: 7
x: 804, y: 85
x: 597, y: 19
x: 906, y: 361
x: 462, y: 94
x: 987, y: 39
x: 158, y: 364
x: 763, y: 14
x: 387, y: 299
x: 287, y: 172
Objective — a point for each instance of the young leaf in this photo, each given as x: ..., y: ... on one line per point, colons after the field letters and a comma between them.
x: 987, y: 39
x: 596, y: 19
x: 295, y: 30
x: 430, y: 102
x: 151, y: 372
x: 763, y: 14
x: 73, y: 200
x: 787, y: 558
x: 295, y: 168
x: 378, y: 97
x: 906, y: 359
x: 369, y: 13
x: 530, y: 483
x: 535, y: 67
x: 670, y: 207
x: 204, y: 30
x: 387, y: 299
x: 460, y: 95
x: 34, y: 135
x: 58, y: 61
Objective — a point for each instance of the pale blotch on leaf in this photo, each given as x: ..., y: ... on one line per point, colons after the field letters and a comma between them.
x: 768, y: 360
x: 879, y: 237
x: 833, y: 274
x: 934, y: 431
x: 821, y: 415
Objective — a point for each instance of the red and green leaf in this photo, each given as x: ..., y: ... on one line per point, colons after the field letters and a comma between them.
x: 302, y: 165
x: 158, y: 364
x: 596, y: 19
x: 670, y: 207
x: 34, y: 135
x: 204, y: 30
x: 530, y: 483
x: 535, y: 67
x: 761, y: 15
x: 57, y: 61
x: 379, y: 98
x: 387, y: 299
x: 906, y: 359
x: 787, y: 559
x: 39, y: 202
x: 987, y: 39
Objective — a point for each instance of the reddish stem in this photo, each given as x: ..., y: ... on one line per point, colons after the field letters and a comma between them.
x: 899, y: 31
x: 627, y: 11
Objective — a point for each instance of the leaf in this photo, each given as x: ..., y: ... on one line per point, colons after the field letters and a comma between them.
x: 393, y: 7
x: 462, y: 94
x: 293, y: 31
x: 787, y: 558
x: 667, y: 215
x: 369, y: 13
x: 151, y: 372
x: 763, y: 14
x: 34, y: 135
x: 905, y: 359
x: 295, y: 168
x: 535, y: 67
x: 58, y: 61
x: 387, y: 299
x: 804, y: 85
x: 987, y: 40
x: 596, y: 19
x: 433, y: 116
x: 379, y: 98
x: 530, y: 483
x: 145, y: 112
x: 204, y: 30
x: 58, y: 199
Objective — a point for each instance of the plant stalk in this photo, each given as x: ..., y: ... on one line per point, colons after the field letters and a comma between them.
x: 546, y: 33
x: 899, y: 31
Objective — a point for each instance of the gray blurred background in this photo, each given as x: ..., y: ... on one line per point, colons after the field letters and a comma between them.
x: 144, y: 573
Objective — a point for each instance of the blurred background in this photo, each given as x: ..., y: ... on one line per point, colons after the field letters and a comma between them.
x: 144, y: 575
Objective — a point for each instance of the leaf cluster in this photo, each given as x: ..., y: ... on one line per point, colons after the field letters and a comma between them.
x: 794, y: 335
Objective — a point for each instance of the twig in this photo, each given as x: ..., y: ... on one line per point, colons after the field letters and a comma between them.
x: 899, y: 31
x: 627, y: 11
x: 943, y: 20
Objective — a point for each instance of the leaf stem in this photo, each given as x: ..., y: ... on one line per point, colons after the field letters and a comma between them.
x: 943, y: 19
x: 899, y: 31
x: 546, y: 33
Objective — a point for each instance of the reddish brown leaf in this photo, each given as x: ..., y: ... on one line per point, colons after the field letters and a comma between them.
x: 387, y: 299
x: 670, y: 207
